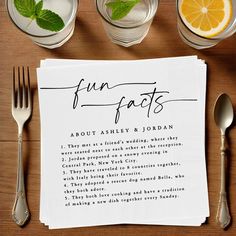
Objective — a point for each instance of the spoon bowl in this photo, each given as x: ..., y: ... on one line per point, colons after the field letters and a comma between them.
x: 223, y: 112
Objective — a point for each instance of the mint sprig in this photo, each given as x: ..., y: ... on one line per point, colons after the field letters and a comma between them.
x: 121, y: 8
x: 45, y: 19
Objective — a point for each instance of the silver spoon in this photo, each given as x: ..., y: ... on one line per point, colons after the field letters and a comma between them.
x: 223, y: 114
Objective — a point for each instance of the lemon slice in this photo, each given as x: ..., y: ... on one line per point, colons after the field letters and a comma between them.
x: 207, y: 18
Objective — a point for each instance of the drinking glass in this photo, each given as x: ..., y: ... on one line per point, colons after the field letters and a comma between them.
x: 66, y: 9
x: 131, y: 29
x: 199, y: 42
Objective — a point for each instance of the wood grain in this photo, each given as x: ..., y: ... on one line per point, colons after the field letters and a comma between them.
x: 90, y: 42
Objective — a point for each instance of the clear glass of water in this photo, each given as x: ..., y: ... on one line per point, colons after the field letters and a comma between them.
x: 200, y: 42
x: 66, y: 9
x: 132, y: 28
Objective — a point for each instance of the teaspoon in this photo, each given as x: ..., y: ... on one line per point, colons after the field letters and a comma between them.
x: 223, y: 114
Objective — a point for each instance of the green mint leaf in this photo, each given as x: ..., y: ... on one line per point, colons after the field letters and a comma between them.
x: 38, y: 7
x: 49, y: 20
x: 25, y: 7
x: 45, y: 19
x: 121, y: 8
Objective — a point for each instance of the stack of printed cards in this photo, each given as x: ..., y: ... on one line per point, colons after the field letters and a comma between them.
x: 123, y: 142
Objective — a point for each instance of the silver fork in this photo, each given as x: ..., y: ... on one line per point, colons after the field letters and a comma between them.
x: 21, y: 111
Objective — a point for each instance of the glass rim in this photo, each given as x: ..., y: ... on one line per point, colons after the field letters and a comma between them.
x: 200, y: 36
x: 76, y: 3
x: 123, y: 27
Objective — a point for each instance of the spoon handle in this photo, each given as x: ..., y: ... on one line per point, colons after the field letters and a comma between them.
x: 223, y: 217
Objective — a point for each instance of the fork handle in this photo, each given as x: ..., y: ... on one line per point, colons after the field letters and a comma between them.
x: 20, y: 211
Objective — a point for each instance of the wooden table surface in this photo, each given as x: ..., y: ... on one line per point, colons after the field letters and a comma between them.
x: 90, y: 42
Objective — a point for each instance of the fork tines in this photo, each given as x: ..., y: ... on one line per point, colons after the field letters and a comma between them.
x: 21, y: 83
